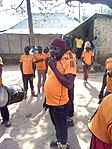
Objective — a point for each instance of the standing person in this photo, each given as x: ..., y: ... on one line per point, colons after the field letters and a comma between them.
x: 40, y: 67
x: 100, y: 125
x: 95, y: 42
x: 27, y: 69
x: 87, y: 59
x: 60, y: 78
x: 72, y: 58
x: 46, y: 50
x: 4, y: 110
x: 79, y: 47
x: 107, y: 80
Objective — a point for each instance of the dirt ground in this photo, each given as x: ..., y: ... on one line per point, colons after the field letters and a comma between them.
x: 23, y: 135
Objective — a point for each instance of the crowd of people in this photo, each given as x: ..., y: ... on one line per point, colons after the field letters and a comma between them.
x: 56, y: 69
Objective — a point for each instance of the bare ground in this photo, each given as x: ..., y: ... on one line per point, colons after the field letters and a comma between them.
x: 23, y: 135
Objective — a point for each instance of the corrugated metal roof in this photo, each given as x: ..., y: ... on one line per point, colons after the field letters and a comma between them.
x: 88, y: 21
x: 106, y: 2
x: 57, y: 23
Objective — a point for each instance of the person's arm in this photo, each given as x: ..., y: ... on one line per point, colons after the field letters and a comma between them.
x: 103, y: 86
x: 21, y: 68
x: 66, y: 80
x: 92, y: 60
x: 83, y: 61
x: 39, y: 60
x: 1, y: 70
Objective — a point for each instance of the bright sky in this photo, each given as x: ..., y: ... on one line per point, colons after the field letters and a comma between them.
x: 9, y: 19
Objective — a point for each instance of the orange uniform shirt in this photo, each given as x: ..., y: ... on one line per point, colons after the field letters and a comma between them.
x: 1, y: 63
x: 87, y: 57
x: 108, y: 65
x: 101, y: 123
x: 72, y: 58
x: 27, y: 63
x: 40, y: 65
x: 56, y: 94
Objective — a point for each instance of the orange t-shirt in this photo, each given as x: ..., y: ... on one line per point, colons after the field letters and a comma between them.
x: 108, y: 64
x: 40, y: 65
x: 1, y: 63
x: 71, y: 57
x: 101, y: 122
x: 27, y: 63
x: 56, y: 94
x: 87, y: 57
x: 109, y: 84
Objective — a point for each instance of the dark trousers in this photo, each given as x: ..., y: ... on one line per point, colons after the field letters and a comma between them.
x: 71, y: 99
x: 79, y: 53
x: 5, y: 113
x: 58, y: 116
x: 86, y: 70
x: 28, y: 78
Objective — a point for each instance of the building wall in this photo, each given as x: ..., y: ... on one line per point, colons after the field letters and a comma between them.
x: 12, y: 45
x: 103, y: 29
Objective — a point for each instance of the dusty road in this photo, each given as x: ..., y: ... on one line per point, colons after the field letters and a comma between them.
x: 23, y: 135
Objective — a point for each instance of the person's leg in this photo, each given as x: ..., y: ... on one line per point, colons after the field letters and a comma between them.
x: 85, y: 74
x: 60, y: 114
x: 5, y: 116
x: 43, y: 78
x: 88, y: 71
x: 96, y: 53
x: 25, y: 84
x: 71, y: 99
x: 39, y: 73
x: 80, y: 53
x: 31, y: 83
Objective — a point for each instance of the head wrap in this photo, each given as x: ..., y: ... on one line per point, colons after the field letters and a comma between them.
x: 57, y: 42
x: 87, y: 44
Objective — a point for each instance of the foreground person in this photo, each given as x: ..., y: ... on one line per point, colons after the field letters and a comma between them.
x: 60, y: 78
x: 4, y: 110
x: 100, y: 125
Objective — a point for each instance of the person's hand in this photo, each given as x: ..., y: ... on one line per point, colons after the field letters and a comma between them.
x: 100, y: 96
x: 52, y: 62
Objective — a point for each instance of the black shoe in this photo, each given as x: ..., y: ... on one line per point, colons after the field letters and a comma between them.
x: 25, y: 95
x: 6, y: 123
x: 33, y: 93
x: 70, y: 122
x: 53, y: 144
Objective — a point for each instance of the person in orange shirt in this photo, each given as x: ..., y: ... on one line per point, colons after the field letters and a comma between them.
x: 87, y: 59
x: 61, y: 75
x: 27, y: 70
x: 4, y: 110
x: 107, y: 80
x: 40, y: 67
x: 100, y: 125
x: 72, y: 58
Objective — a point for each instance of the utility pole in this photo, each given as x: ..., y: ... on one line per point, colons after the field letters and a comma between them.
x: 30, y: 24
x: 79, y: 12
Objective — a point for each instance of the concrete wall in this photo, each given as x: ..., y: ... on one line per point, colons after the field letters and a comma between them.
x: 103, y: 29
x: 12, y: 45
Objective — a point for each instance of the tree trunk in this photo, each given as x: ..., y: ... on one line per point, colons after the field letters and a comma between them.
x: 30, y: 24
